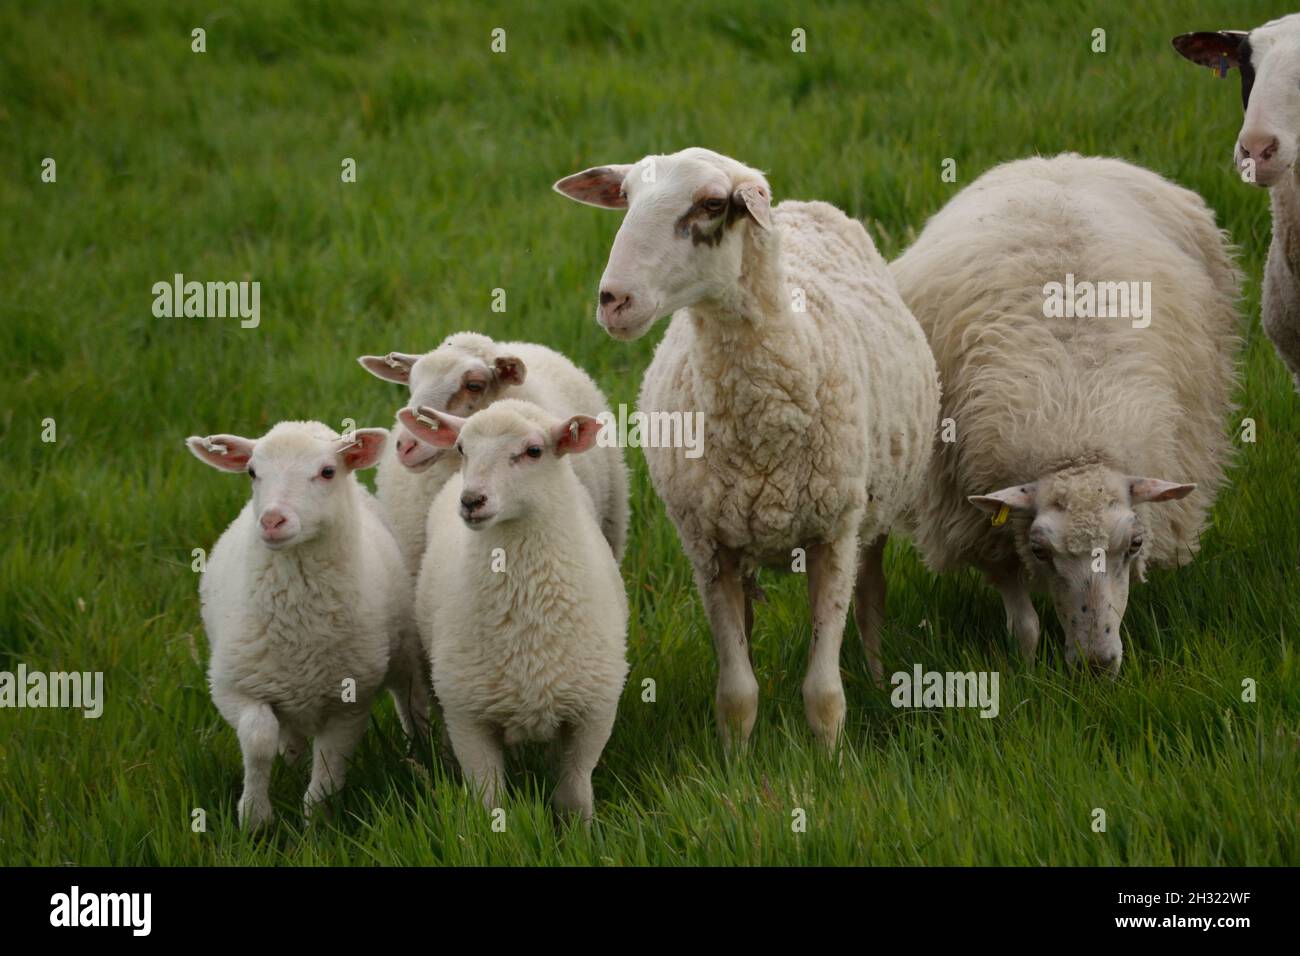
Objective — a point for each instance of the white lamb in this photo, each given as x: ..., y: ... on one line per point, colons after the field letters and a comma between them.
x: 519, y: 601
x: 467, y: 373
x: 1265, y: 153
x: 307, y: 606
x: 1059, y: 407
x: 817, y: 390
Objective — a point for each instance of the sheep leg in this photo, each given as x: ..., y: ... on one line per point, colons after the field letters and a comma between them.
x: 332, y: 752
x: 1022, y: 619
x: 409, y: 689
x: 259, y: 738
x: 581, y: 746
x: 478, y: 751
x: 737, y: 696
x: 831, y: 570
x: 869, y: 604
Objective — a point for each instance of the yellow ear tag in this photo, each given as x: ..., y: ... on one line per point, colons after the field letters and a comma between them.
x: 1000, y: 518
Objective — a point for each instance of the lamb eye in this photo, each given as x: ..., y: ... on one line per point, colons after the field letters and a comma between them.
x: 460, y: 449
x: 251, y: 473
x: 327, y: 472
x: 1041, y: 552
x: 474, y: 386
x: 715, y: 205
x: 534, y: 451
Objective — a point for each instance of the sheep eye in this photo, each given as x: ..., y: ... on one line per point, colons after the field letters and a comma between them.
x: 459, y: 448
x: 327, y: 472
x: 534, y: 451
x: 474, y: 386
x: 1041, y: 552
x: 251, y: 473
x: 715, y: 205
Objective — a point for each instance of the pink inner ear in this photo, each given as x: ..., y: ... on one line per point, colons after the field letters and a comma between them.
x: 380, y: 366
x: 430, y: 426
x: 598, y: 186
x: 578, y: 434
x: 226, y: 452
x: 366, y: 449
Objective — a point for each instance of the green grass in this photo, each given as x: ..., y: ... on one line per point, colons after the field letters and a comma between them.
x: 226, y: 165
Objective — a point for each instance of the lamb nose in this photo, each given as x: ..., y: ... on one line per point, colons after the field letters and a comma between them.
x: 606, y: 298
x: 472, y: 502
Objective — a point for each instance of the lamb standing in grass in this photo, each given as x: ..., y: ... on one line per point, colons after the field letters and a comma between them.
x: 1057, y: 419
x: 817, y: 389
x: 466, y: 373
x: 519, y: 600
x: 1266, y: 151
x: 307, y: 606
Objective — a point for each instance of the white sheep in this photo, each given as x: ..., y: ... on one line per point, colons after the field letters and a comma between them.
x: 1266, y: 150
x: 816, y: 386
x: 519, y: 601
x: 466, y: 373
x: 1066, y: 382
x: 307, y: 606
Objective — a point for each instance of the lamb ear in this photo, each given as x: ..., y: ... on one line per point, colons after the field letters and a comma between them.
x: 757, y: 201
x: 1019, y: 498
x: 431, y: 426
x: 1215, y: 49
x: 1145, y: 490
x: 574, y: 435
x: 362, y: 448
x: 599, y: 186
x: 225, y: 452
x: 510, y: 370
x: 393, y: 367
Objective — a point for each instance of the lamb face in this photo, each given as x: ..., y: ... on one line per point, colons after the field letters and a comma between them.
x: 452, y: 379
x: 682, y: 240
x: 299, y: 473
x: 1268, y: 59
x: 1077, y: 533
x: 509, y: 456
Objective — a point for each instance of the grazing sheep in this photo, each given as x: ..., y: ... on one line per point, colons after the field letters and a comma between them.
x: 519, y: 603
x: 466, y: 373
x: 1265, y: 152
x: 307, y: 606
x: 1054, y: 418
x: 816, y: 387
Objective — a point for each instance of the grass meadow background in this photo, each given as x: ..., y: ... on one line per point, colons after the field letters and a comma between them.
x: 226, y: 166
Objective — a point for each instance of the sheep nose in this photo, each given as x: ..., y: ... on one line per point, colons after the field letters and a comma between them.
x: 273, y: 519
x: 472, y: 501
x: 1260, y: 147
x: 612, y: 302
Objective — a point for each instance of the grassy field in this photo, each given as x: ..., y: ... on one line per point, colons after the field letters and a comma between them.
x: 226, y: 165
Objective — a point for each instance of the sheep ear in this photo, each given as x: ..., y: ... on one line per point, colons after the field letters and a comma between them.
x: 1019, y: 498
x: 1146, y: 490
x: 1217, y: 50
x: 757, y: 201
x: 599, y: 186
x: 510, y: 370
x: 393, y: 367
x: 577, y: 434
x: 432, y: 426
x: 362, y: 448
x: 225, y: 452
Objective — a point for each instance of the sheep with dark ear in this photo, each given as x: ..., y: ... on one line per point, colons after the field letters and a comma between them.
x: 1265, y: 152
x: 467, y: 373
